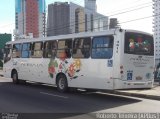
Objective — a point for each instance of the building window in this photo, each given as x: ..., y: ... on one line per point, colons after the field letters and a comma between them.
x: 86, y: 23
x: 92, y: 24
x: 77, y: 21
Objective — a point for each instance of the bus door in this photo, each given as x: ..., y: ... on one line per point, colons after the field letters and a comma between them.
x: 24, y: 63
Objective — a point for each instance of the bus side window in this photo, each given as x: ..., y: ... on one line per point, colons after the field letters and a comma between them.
x: 86, y: 47
x: 64, y: 48
x: 26, y: 47
x: 37, y: 51
x: 77, y: 45
x: 16, y: 51
x: 50, y: 49
x: 81, y: 48
x: 102, y: 47
x: 7, y: 53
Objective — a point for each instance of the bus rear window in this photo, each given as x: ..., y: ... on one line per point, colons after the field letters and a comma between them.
x: 138, y: 44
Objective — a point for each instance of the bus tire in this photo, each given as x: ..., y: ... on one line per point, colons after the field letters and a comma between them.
x: 62, y: 84
x: 15, y: 77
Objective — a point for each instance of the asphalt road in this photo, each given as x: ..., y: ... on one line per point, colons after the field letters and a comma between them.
x: 33, y: 99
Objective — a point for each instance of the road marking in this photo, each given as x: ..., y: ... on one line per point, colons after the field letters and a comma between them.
x: 53, y: 95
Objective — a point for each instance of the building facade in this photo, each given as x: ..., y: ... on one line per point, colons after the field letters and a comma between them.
x: 72, y: 18
x: 90, y: 21
x: 113, y: 23
x: 58, y: 19
x: 30, y: 18
x: 91, y: 5
x: 156, y: 30
x: 79, y: 20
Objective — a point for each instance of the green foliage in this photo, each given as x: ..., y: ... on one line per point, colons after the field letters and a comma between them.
x: 4, y: 38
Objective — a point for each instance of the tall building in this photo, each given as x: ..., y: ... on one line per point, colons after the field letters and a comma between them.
x: 64, y: 18
x: 91, y: 5
x: 58, y: 19
x: 30, y: 17
x: 113, y: 23
x: 89, y: 20
x: 156, y: 30
x: 79, y: 20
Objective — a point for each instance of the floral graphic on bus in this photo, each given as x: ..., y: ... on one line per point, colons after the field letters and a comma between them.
x: 71, y: 69
x: 74, y: 68
x: 77, y: 64
x: 52, y: 67
x: 139, y: 45
x: 131, y: 44
x: 62, y: 67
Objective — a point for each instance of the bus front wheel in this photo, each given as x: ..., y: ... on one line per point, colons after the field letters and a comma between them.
x: 15, y: 77
x: 62, y: 84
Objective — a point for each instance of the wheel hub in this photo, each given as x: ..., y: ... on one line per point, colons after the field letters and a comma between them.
x: 61, y: 83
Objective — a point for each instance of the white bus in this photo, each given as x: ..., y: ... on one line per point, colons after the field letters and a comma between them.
x: 107, y: 60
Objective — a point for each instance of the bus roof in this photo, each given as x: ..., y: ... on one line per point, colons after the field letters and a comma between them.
x: 130, y: 30
x: 76, y: 35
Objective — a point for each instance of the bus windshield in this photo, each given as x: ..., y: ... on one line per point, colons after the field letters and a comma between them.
x: 138, y: 44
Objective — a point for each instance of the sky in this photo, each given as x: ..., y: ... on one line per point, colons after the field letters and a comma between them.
x: 131, y: 14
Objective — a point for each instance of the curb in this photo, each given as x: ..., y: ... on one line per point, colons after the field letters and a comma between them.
x: 137, y: 95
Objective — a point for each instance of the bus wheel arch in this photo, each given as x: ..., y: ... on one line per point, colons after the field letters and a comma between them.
x: 14, y: 76
x: 61, y: 82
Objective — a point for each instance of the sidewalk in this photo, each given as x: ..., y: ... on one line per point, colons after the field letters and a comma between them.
x: 153, y: 93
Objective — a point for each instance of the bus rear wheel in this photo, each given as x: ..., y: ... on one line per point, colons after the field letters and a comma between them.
x: 62, y: 84
x: 15, y: 77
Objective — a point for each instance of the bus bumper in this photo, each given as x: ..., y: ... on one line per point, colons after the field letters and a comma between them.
x: 135, y: 85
